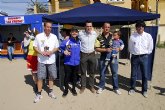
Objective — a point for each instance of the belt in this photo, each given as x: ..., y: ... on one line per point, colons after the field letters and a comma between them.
x: 88, y: 53
x: 141, y: 55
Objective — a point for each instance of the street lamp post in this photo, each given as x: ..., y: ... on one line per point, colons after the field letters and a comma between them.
x: 157, y: 1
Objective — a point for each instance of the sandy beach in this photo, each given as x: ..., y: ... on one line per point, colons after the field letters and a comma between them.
x: 16, y: 91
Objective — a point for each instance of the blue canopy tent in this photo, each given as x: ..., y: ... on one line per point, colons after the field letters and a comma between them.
x: 99, y: 13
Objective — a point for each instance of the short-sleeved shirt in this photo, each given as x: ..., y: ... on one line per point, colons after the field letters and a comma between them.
x: 103, y: 42
x: 41, y: 41
x: 12, y: 39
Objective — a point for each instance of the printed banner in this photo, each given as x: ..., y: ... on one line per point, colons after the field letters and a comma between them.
x: 14, y: 20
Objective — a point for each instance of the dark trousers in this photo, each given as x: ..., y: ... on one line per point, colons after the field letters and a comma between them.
x: 88, y: 62
x: 142, y: 61
x: 70, y: 74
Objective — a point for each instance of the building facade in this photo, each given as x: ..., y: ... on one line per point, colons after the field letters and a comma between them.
x: 153, y: 6
x: 57, y: 6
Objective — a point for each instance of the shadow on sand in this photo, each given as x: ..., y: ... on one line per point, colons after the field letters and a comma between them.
x: 124, y: 82
x: 162, y: 90
x: 29, y: 81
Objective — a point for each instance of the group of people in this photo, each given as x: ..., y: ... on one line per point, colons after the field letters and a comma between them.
x: 79, y: 55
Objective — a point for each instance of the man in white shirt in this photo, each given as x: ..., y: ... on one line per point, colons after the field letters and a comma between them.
x: 46, y: 44
x: 140, y: 46
x: 88, y: 60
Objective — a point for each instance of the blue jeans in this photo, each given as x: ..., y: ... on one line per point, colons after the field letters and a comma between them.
x: 10, y: 50
x: 142, y: 62
x: 114, y: 71
x: 109, y: 55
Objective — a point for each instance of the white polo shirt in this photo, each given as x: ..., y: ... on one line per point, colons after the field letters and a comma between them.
x: 87, y: 41
x: 41, y: 41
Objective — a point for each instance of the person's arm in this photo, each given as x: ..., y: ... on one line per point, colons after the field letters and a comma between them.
x: 130, y: 45
x: 99, y: 49
x: 121, y: 45
x: 13, y: 40
x: 37, y: 50
x: 43, y: 53
x: 55, y: 49
x: 35, y: 46
x: 150, y: 46
x: 9, y: 39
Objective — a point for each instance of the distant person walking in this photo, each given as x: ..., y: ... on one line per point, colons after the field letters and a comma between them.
x: 46, y: 44
x: 140, y: 46
x: 10, y: 46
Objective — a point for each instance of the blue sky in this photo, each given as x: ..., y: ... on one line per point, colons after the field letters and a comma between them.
x: 15, y: 7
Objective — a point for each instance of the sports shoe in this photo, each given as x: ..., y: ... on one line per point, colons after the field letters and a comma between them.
x: 74, y: 92
x: 131, y: 92
x: 92, y: 90
x: 51, y: 94
x: 117, y: 92
x: 99, y: 91
x: 65, y: 93
x: 37, y: 98
x: 145, y: 94
x: 82, y: 90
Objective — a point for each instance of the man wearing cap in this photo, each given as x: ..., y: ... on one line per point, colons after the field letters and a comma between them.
x: 71, y: 50
x: 140, y: 46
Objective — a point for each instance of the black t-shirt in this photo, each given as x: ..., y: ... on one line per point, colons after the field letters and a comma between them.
x: 12, y: 41
x: 105, y: 43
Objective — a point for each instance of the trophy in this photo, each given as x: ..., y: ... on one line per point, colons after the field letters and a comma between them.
x: 46, y: 48
x: 68, y: 47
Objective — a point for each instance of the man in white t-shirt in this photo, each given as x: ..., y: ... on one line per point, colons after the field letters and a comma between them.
x: 46, y: 44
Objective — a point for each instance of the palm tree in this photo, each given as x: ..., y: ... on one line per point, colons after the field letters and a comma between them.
x: 37, y: 7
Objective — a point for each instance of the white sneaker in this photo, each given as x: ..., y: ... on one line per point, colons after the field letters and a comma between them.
x: 118, y: 92
x: 51, y: 94
x: 99, y: 91
x: 145, y: 94
x: 131, y: 92
x: 37, y: 98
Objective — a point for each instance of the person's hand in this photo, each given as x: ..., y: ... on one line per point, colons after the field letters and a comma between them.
x: 67, y: 53
x: 44, y: 53
x: 117, y: 49
x: 48, y: 53
x: 108, y: 49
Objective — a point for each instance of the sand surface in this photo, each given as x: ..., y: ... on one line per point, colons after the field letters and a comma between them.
x: 16, y: 91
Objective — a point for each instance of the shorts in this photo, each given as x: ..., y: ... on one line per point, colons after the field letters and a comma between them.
x: 46, y: 69
x: 32, y: 63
